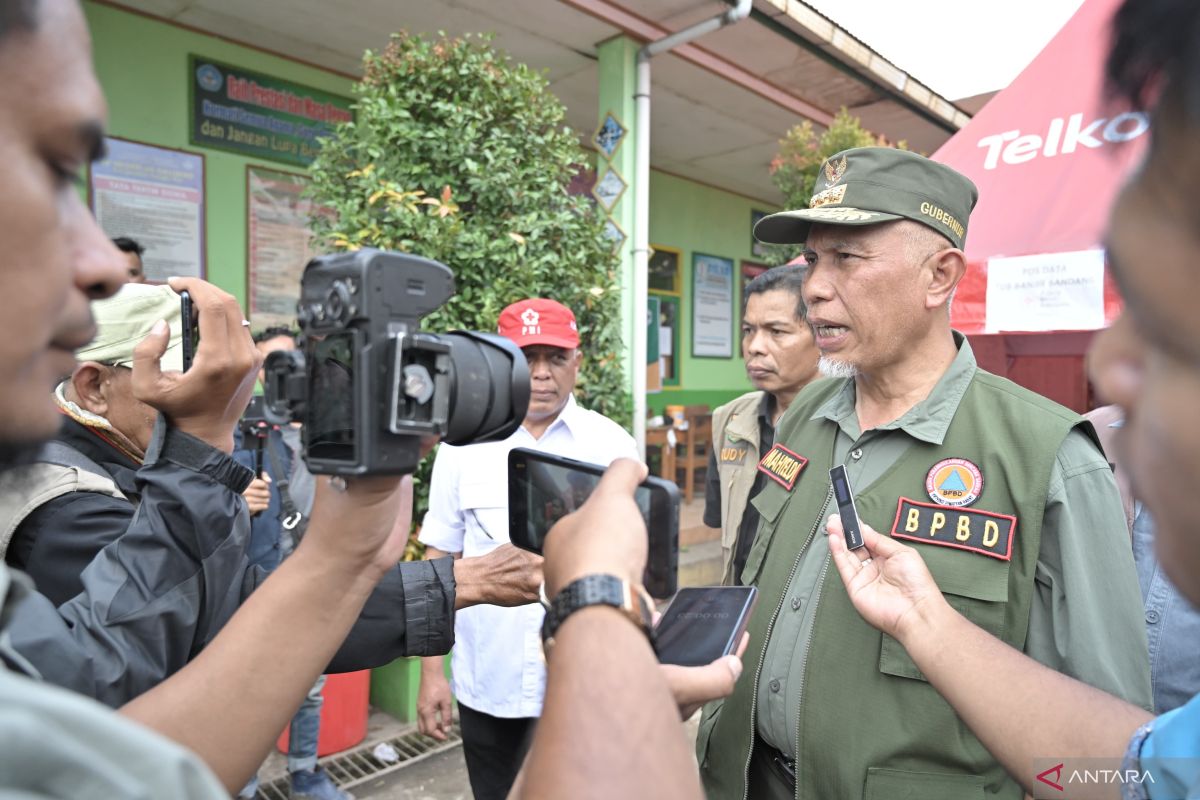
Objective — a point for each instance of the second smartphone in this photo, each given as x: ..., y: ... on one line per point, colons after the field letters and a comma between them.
x: 703, y: 623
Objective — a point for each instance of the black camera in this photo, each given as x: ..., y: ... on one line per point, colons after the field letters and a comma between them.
x: 368, y: 386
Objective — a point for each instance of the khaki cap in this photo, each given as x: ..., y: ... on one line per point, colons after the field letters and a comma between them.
x: 125, y: 319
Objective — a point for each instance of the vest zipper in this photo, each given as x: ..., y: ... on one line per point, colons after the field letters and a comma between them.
x: 770, y: 629
x: 807, y: 648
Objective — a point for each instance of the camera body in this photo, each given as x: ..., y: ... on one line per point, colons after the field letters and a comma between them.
x: 369, y: 385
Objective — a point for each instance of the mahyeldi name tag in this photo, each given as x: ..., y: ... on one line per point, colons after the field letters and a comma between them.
x: 782, y: 466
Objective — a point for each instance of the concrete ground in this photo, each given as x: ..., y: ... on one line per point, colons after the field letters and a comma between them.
x: 442, y: 775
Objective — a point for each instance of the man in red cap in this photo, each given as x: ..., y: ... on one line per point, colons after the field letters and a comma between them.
x: 499, y: 672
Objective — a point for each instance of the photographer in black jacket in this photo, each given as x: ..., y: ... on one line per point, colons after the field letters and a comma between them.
x: 80, y: 494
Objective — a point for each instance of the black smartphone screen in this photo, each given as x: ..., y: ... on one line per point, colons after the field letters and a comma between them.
x: 189, y: 320
x: 703, y: 623
x: 543, y: 488
x: 330, y: 419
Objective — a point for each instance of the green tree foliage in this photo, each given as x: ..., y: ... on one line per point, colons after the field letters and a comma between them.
x: 460, y: 155
x: 802, y: 152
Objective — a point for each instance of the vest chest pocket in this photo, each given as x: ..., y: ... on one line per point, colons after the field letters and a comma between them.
x: 895, y: 784
x: 975, y: 585
x: 770, y: 503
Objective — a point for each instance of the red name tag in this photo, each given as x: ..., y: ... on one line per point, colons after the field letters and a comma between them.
x: 782, y: 466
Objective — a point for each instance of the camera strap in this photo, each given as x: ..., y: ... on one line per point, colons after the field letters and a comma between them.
x: 291, y: 514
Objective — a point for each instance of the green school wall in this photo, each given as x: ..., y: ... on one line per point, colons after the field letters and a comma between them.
x: 142, y: 64
x: 695, y: 218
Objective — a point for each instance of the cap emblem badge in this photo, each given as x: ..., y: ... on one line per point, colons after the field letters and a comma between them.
x: 835, y: 170
x: 529, y: 322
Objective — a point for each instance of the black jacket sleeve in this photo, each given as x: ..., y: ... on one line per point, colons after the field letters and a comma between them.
x: 153, y: 597
x: 410, y: 613
x: 173, y: 575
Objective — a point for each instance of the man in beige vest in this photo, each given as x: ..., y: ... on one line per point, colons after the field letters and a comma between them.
x: 781, y: 359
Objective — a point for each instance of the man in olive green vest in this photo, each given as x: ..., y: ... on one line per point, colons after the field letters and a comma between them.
x: 1006, y: 495
x: 781, y: 359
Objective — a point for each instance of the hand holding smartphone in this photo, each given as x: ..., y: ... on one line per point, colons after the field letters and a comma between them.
x: 703, y: 624
x: 543, y: 488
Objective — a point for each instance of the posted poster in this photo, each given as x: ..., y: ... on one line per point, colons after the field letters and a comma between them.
x: 155, y: 196
x: 260, y: 116
x: 279, y: 241
x: 1051, y: 292
x: 712, y: 306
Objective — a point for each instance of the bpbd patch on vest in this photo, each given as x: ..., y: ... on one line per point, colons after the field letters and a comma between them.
x: 733, y: 455
x: 966, y: 529
x: 782, y: 466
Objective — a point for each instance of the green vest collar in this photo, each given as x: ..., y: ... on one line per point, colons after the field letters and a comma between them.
x: 928, y: 420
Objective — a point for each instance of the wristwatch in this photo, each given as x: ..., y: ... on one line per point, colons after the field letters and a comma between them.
x: 591, y: 590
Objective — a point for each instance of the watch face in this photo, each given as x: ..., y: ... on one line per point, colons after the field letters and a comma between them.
x: 593, y: 590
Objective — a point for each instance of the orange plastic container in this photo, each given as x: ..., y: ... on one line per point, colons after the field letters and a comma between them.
x: 344, y: 714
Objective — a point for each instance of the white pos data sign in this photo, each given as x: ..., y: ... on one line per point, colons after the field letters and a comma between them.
x: 1049, y: 292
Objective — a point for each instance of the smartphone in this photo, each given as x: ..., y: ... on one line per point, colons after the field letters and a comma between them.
x: 543, y: 488
x: 190, y: 321
x: 844, y: 496
x: 703, y: 623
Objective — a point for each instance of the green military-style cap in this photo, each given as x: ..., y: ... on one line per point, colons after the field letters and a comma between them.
x: 867, y: 185
x: 125, y: 319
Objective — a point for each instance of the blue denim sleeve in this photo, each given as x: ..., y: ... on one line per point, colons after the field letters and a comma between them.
x: 1165, y: 753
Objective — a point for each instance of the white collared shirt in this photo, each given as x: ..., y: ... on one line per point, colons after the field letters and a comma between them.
x: 497, y: 661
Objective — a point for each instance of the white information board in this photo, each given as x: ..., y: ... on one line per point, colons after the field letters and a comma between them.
x: 1050, y: 292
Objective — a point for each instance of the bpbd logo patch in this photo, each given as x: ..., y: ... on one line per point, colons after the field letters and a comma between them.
x: 954, y: 482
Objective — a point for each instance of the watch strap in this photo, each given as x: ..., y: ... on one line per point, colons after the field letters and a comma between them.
x: 593, y: 590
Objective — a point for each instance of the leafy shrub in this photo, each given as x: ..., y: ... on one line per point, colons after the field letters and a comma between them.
x: 460, y: 155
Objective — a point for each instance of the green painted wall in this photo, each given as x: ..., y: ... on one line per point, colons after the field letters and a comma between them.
x: 142, y: 64
x: 695, y: 218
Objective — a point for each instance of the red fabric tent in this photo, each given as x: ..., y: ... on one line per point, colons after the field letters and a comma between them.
x: 1048, y: 155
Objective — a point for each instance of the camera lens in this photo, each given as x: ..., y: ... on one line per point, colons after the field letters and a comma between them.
x: 489, y: 387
